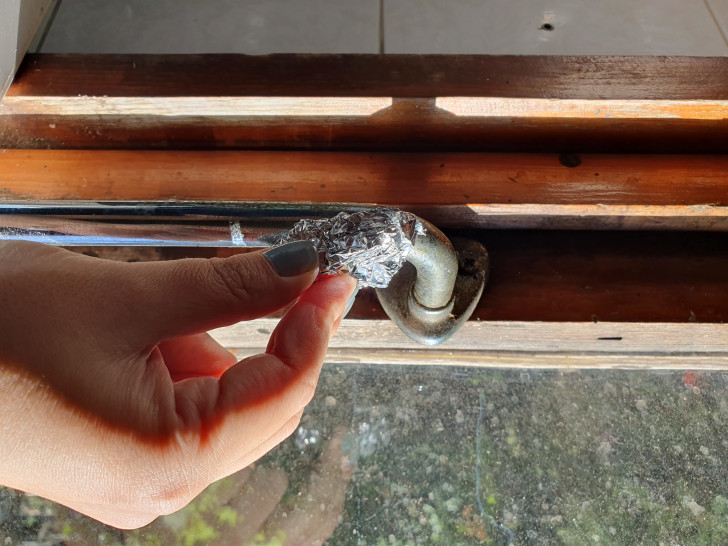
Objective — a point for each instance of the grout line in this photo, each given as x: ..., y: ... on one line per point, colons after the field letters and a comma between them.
x: 47, y: 24
x: 717, y: 23
x: 381, y: 27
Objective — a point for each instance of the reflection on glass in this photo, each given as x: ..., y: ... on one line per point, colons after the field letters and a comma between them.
x: 425, y: 455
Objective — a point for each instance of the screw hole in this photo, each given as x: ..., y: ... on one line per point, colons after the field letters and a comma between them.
x: 469, y: 264
x: 570, y: 160
x: 547, y: 26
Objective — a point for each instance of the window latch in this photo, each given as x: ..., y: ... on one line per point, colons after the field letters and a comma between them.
x: 438, y: 288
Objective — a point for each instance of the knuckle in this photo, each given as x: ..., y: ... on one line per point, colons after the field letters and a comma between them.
x: 232, y: 280
x: 173, y: 495
x: 168, y: 484
x: 300, y: 385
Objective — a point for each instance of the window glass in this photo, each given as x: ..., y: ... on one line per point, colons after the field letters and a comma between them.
x: 425, y: 455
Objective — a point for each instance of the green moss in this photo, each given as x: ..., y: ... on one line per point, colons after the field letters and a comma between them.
x: 278, y: 539
x: 198, y: 532
x: 720, y: 505
x: 227, y: 515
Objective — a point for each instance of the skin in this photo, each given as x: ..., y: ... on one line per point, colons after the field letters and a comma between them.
x: 117, y: 404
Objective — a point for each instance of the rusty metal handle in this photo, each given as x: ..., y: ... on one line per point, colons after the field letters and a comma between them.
x: 438, y: 289
x: 436, y: 262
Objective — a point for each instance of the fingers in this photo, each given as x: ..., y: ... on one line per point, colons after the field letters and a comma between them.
x: 137, y: 305
x: 195, y: 356
x: 258, y: 401
x: 246, y: 458
x: 190, y: 296
x: 217, y: 412
x: 296, y: 349
x: 303, y: 334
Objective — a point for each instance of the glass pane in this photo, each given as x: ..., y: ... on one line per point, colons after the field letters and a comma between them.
x: 423, y: 455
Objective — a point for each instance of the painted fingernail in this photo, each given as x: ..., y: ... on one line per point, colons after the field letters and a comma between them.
x: 293, y: 258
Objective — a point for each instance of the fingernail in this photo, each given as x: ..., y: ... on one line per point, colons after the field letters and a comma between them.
x: 350, y: 303
x: 293, y: 258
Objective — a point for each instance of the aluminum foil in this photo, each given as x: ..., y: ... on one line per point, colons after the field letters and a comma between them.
x: 369, y: 245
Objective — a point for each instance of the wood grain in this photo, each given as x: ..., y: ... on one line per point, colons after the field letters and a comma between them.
x: 514, y: 336
x: 514, y: 345
x: 479, y: 359
x: 392, y: 129
x: 664, y: 294
x: 213, y: 107
x: 393, y: 179
x: 410, y: 76
x: 457, y: 103
x: 605, y: 276
x: 590, y: 216
x: 332, y: 107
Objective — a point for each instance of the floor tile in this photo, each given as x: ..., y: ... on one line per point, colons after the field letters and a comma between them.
x: 215, y: 26
x: 552, y: 27
x: 719, y: 11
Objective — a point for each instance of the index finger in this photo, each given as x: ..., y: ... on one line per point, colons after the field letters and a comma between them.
x: 258, y: 397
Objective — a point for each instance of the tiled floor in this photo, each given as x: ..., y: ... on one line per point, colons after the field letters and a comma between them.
x: 555, y: 27
x: 719, y: 11
x: 215, y: 26
x: 577, y: 27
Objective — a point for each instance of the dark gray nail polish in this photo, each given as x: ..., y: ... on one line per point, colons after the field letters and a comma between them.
x: 293, y: 258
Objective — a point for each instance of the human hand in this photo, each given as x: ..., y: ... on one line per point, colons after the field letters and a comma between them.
x: 254, y: 506
x: 114, y: 400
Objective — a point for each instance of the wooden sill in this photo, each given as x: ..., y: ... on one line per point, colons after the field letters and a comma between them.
x: 514, y: 345
x: 356, y: 102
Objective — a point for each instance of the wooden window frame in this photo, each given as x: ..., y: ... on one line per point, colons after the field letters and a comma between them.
x: 629, y: 151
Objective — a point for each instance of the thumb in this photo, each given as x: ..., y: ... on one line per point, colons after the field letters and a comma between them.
x: 194, y: 295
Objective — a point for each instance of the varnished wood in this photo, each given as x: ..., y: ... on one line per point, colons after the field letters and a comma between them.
x: 606, y: 276
x: 351, y: 107
x: 406, y: 76
x: 459, y: 103
x: 526, y: 360
x: 574, y: 281
x: 514, y: 345
x: 393, y: 179
x: 514, y: 336
x: 584, y: 109
x: 389, y: 130
x: 590, y: 216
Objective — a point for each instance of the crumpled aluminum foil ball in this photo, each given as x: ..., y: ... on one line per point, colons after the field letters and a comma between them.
x: 369, y: 245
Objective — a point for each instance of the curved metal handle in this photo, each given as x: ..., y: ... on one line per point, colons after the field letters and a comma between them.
x: 438, y: 289
x: 434, y: 258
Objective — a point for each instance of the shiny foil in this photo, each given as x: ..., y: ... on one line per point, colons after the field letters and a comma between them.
x: 369, y: 245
